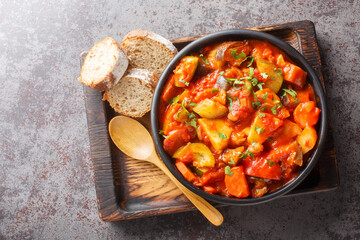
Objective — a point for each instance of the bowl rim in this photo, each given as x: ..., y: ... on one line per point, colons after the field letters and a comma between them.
x: 296, y: 57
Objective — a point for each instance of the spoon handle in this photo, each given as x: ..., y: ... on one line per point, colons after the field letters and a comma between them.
x: 209, y: 211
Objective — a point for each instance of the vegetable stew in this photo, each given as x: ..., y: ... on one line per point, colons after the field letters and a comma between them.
x: 238, y: 118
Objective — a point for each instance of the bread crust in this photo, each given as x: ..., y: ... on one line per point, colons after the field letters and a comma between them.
x: 146, y: 78
x: 139, y: 33
x: 117, y: 71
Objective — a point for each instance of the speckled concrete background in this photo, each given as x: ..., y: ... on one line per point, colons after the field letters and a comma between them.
x: 46, y: 178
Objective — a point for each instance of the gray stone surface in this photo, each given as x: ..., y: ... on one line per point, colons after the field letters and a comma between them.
x: 46, y: 178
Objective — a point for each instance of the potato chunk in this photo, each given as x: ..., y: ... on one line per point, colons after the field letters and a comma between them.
x: 208, y: 108
x: 184, y: 72
x: 263, y: 127
x: 217, y: 131
x: 275, y: 77
x: 307, y: 139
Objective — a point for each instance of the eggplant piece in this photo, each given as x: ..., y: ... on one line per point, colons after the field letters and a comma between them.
x: 220, y: 53
x: 223, y: 83
x: 203, y: 69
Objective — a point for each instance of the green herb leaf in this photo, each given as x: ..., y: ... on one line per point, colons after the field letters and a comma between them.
x: 192, y: 104
x: 237, y: 99
x: 238, y: 82
x: 264, y: 75
x: 279, y: 71
x: 204, y: 60
x: 261, y: 115
x: 260, y: 84
x: 232, y: 162
x: 186, y: 83
x: 254, y: 81
x: 264, y: 96
x: 228, y: 171
x: 290, y: 92
x: 174, y: 100
x: 231, y: 102
x: 263, y: 109
x: 222, y: 136
x: 270, y: 163
x: 273, y: 109
x: 270, y: 139
x: 161, y: 132
x: 256, y: 104
x: 187, y: 112
x: 221, y: 73
x: 192, y: 115
x: 241, y: 55
x: 251, y: 61
x: 259, y: 130
x: 251, y: 73
x: 214, y: 90
x: 251, y: 154
x: 193, y: 123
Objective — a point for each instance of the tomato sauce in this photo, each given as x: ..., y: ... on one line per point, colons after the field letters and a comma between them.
x: 238, y: 118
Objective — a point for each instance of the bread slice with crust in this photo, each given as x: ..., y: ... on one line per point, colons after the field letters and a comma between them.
x: 132, y: 95
x: 148, y: 50
x: 104, y: 65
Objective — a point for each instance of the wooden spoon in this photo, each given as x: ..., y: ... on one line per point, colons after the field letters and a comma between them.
x: 134, y: 140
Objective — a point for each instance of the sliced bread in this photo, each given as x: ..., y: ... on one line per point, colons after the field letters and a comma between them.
x: 148, y: 50
x: 133, y: 94
x: 104, y: 65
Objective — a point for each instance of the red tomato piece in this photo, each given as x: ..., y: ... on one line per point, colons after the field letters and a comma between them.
x: 185, y: 171
x: 213, y: 176
x: 294, y: 74
x: 176, y: 139
x: 237, y: 184
x: 170, y: 90
x: 306, y: 114
x: 261, y: 167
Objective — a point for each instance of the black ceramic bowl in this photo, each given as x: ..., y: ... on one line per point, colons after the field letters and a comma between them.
x: 241, y: 35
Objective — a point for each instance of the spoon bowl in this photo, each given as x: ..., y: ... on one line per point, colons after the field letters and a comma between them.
x: 134, y: 140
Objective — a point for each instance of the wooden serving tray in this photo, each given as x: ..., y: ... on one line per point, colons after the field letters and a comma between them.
x: 127, y: 188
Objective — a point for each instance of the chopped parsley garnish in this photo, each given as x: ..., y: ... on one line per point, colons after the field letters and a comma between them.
x: 279, y: 71
x: 192, y: 104
x: 222, y: 136
x: 231, y: 102
x: 214, y: 90
x: 228, y: 171
x: 192, y: 115
x: 256, y: 104
x: 264, y: 75
x: 245, y: 154
x: 221, y: 73
x: 204, y: 60
x: 183, y: 107
x: 270, y: 163
x: 263, y: 109
x: 237, y: 99
x: 259, y: 130
x: 251, y: 60
x: 261, y: 115
x: 193, y: 123
x: 186, y: 83
x: 259, y: 85
x: 290, y: 92
x: 254, y: 81
x: 232, y: 162
x: 174, y: 100
x: 264, y: 96
x: 270, y: 139
x: 273, y: 109
x: 161, y: 132
x: 239, y: 56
